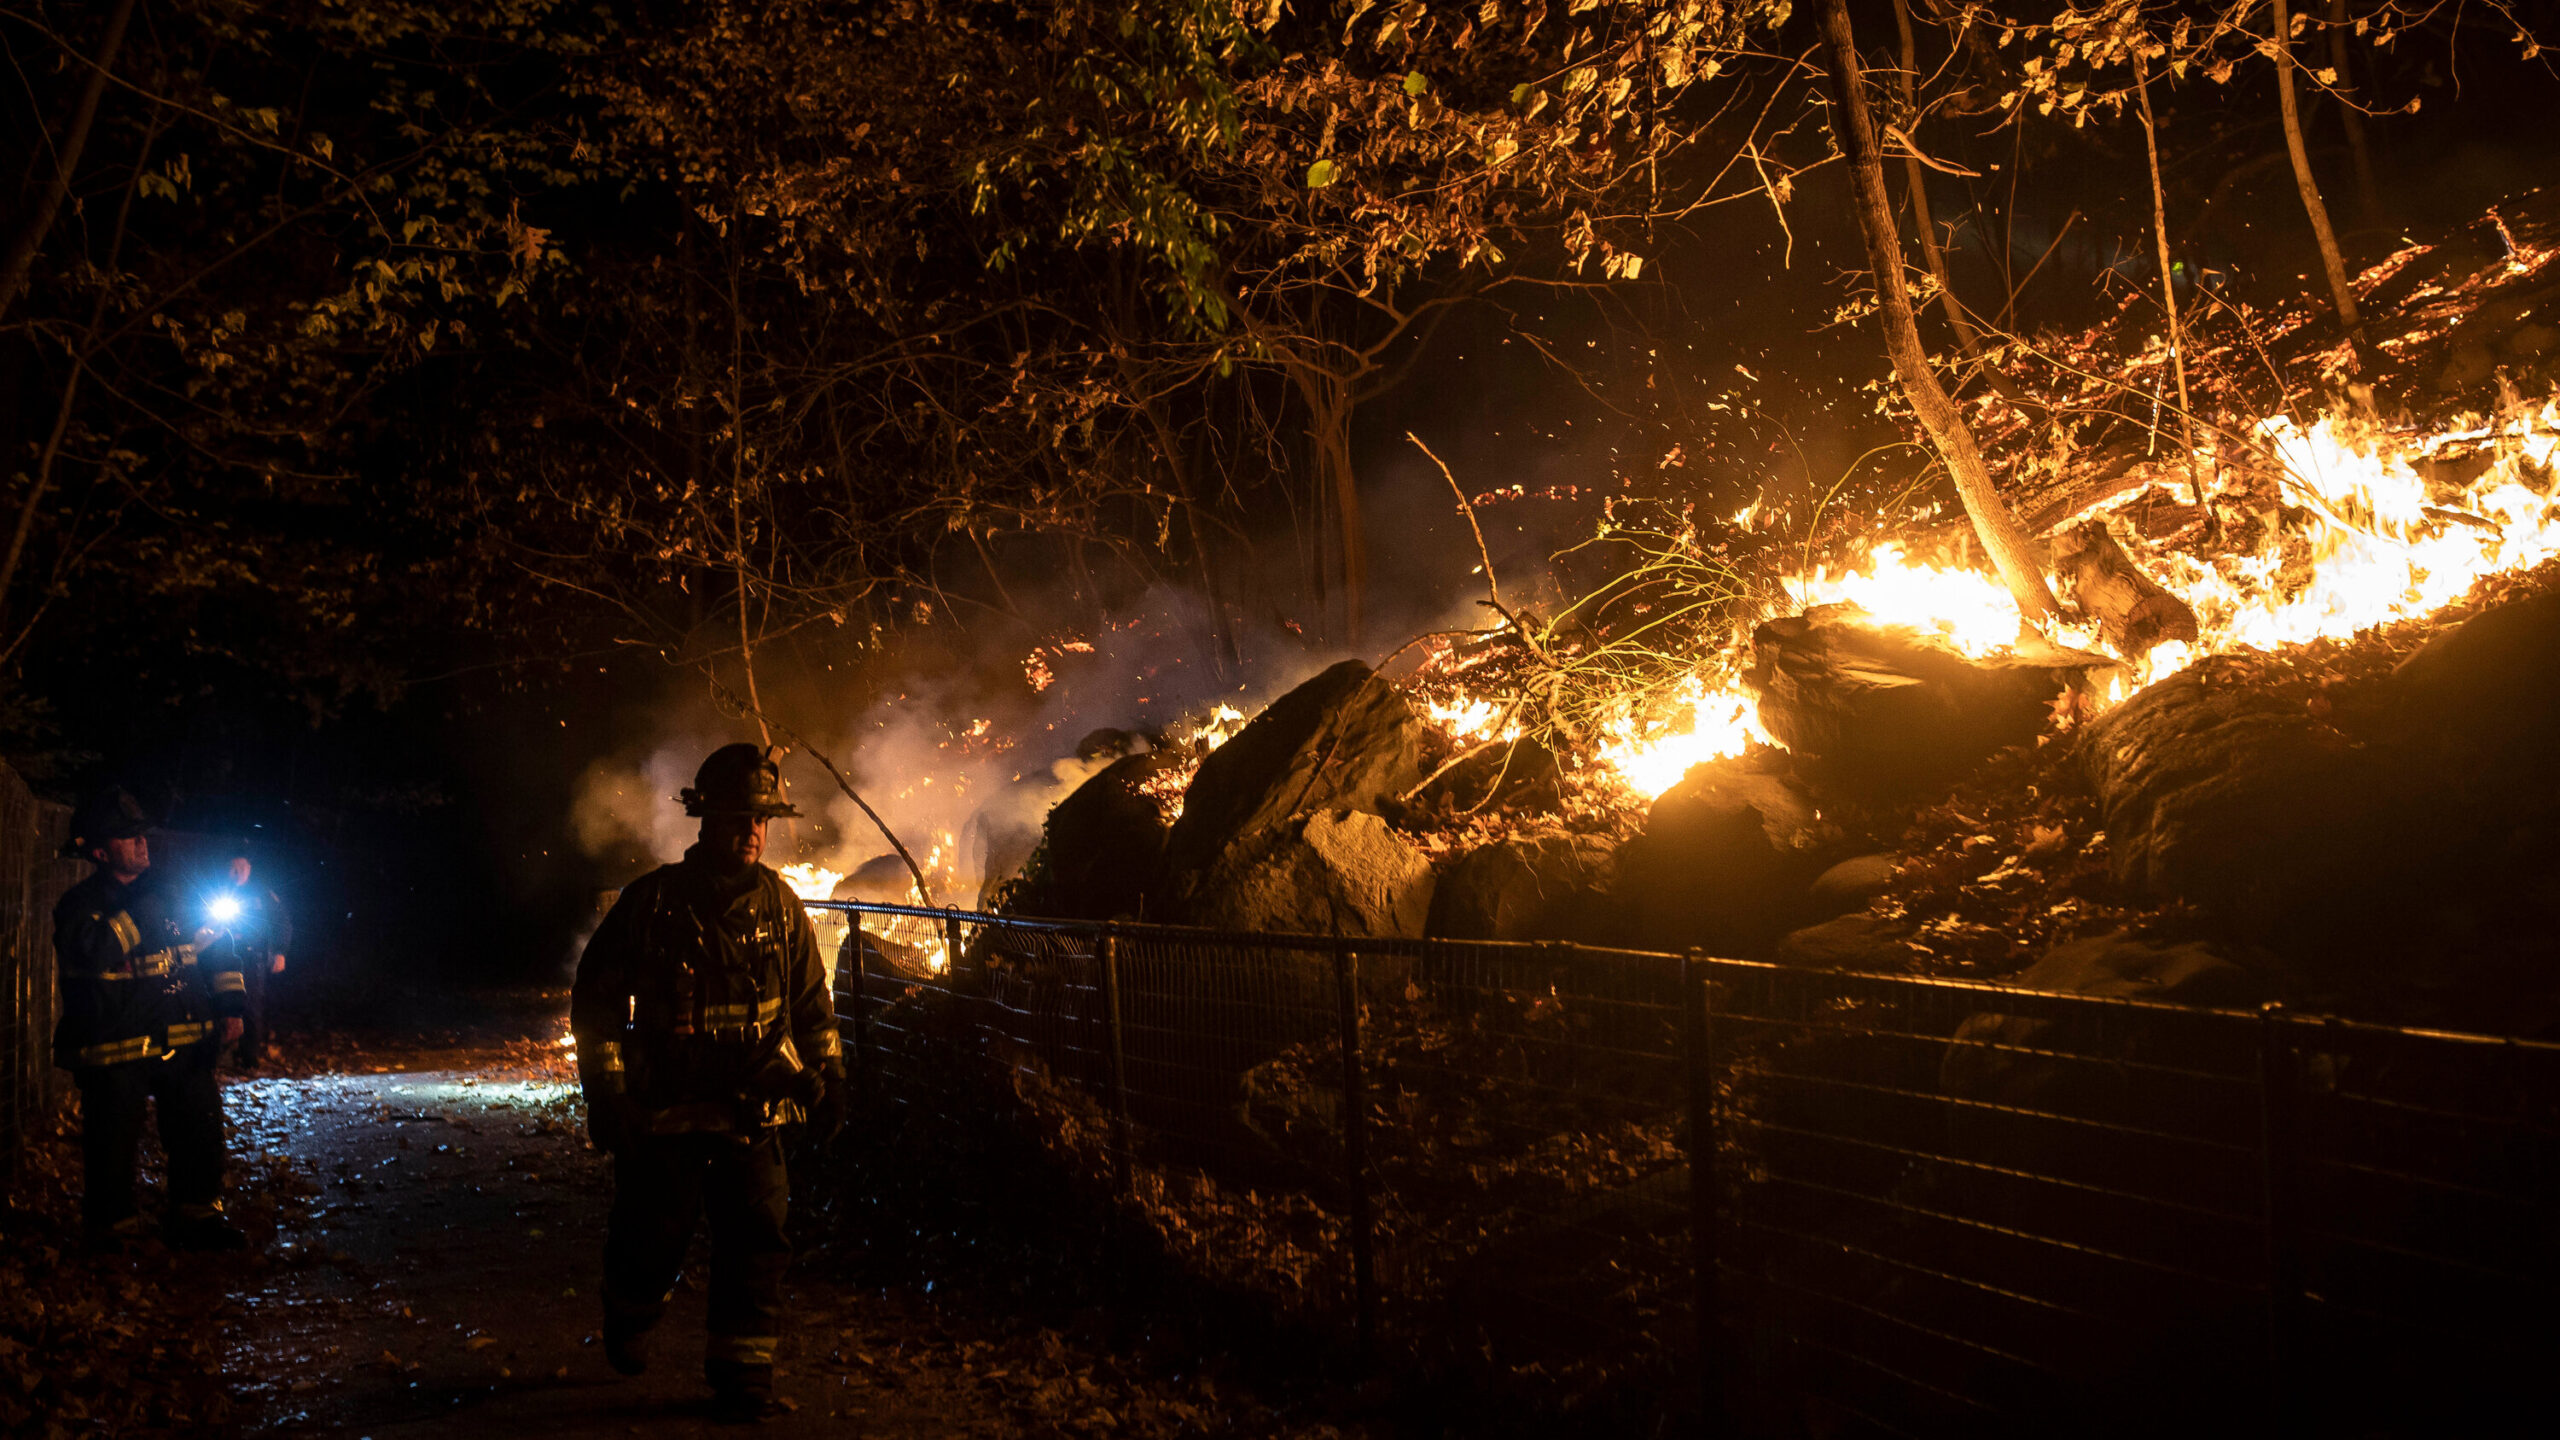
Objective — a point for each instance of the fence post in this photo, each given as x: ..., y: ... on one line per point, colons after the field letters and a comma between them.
x: 1355, y: 1147
x: 2276, y: 1136
x: 1107, y: 951
x: 858, y: 944
x: 1697, y: 1055
x: 951, y: 939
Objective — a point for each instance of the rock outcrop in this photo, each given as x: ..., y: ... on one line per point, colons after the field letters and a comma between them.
x: 1882, y: 710
x: 2231, y: 797
x: 1336, y: 872
x: 1528, y: 887
x: 1343, y: 743
x: 1722, y: 857
x: 1102, y: 854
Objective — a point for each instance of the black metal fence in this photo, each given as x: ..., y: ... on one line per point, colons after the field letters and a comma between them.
x: 1905, y: 1205
x: 32, y: 878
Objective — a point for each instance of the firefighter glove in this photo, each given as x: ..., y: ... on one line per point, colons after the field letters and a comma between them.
x: 827, y: 1112
x: 611, y: 1121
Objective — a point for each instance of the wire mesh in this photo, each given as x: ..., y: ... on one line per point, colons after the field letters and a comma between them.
x: 1925, y: 1203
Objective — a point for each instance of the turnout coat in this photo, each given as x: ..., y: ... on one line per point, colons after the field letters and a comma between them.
x: 134, y: 985
x: 702, y: 997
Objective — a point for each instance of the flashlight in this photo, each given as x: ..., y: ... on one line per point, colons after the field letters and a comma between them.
x: 224, y: 909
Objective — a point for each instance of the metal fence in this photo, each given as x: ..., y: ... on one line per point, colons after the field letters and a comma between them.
x: 32, y: 878
x: 1904, y: 1205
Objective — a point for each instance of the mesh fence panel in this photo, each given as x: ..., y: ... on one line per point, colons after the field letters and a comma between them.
x: 1926, y: 1203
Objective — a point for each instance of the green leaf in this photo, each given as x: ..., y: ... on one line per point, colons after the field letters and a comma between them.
x: 1520, y: 93
x: 1415, y: 82
x: 1320, y: 174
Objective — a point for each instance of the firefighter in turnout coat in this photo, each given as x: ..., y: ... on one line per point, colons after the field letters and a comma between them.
x: 145, y: 1004
x: 703, y: 1026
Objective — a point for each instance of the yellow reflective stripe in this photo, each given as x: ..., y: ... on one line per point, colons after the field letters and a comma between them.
x: 188, y: 1034
x: 114, y: 1052
x: 744, y: 1349
x: 230, y: 982
x: 769, y: 1009
x: 126, y: 932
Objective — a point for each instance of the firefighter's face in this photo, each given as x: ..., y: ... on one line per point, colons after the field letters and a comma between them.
x: 240, y: 872
x: 126, y: 857
x: 735, y: 839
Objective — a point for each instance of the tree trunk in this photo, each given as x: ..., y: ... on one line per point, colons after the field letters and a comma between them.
x: 2341, y: 294
x: 1916, y: 178
x: 1329, y: 405
x: 84, y: 117
x: 2168, y: 281
x: 1998, y: 530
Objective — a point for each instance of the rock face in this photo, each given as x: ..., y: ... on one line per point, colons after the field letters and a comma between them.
x: 1336, y: 872
x: 1343, y: 741
x: 2230, y: 797
x: 1529, y: 887
x: 1883, y: 710
x: 1851, y: 942
x: 2491, y: 685
x: 1849, y: 885
x: 1987, y: 1062
x: 1722, y: 856
x: 1104, y: 846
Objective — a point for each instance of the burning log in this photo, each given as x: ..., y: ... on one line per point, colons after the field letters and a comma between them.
x: 2131, y: 608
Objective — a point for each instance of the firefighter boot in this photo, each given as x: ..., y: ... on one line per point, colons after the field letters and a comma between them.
x: 746, y: 1403
x: 200, y: 1226
x: 626, y: 1348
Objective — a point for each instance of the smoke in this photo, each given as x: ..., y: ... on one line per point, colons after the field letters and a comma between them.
x: 963, y: 739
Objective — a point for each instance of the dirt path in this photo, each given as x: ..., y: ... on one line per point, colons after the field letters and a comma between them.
x: 429, y: 1228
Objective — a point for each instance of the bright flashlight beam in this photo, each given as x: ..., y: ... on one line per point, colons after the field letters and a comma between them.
x: 224, y: 909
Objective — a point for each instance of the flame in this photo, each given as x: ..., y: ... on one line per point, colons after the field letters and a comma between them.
x: 2364, y: 542
x: 810, y: 881
x: 2378, y: 550
x: 1720, y: 719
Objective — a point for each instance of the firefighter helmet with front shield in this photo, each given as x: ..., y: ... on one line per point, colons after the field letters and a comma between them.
x: 740, y: 779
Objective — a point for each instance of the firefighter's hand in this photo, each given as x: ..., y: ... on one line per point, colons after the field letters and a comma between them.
x: 827, y: 1113
x: 231, y: 1028
x: 609, y: 1121
x: 276, y: 966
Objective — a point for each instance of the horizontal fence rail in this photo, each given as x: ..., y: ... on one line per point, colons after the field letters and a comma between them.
x: 1768, y: 1200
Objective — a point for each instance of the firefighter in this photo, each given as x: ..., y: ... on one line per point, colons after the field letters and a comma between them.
x: 142, y: 1016
x: 703, y: 1026
x: 253, y: 921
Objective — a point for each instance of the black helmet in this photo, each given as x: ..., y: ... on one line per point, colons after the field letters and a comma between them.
x: 108, y: 813
x: 738, y: 779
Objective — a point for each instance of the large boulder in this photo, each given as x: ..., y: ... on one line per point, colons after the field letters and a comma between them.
x: 1883, y: 709
x: 1867, y: 944
x: 2218, y: 792
x: 1527, y: 887
x: 2491, y: 685
x: 1722, y: 856
x: 2011, y: 1060
x: 1336, y: 872
x: 1853, y: 883
x: 1345, y: 740
x: 1103, y: 848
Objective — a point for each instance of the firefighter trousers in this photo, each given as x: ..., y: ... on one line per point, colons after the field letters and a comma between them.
x: 112, y: 1103
x: 664, y: 1186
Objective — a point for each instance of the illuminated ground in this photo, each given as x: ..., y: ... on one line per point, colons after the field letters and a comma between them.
x: 428, y: 1221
